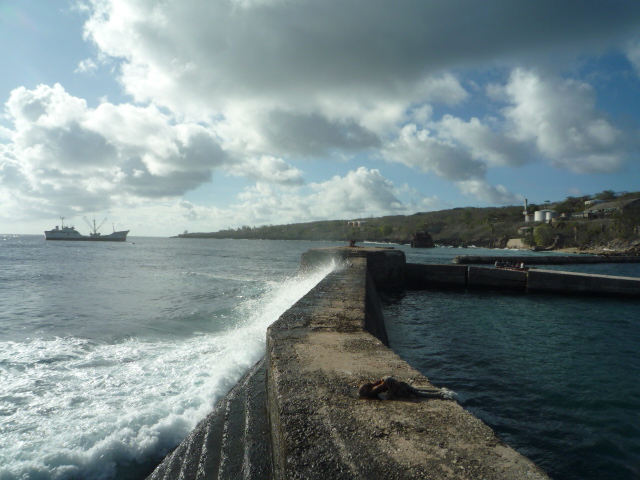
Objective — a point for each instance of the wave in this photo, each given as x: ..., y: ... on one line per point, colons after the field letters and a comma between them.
x: 73, y: 408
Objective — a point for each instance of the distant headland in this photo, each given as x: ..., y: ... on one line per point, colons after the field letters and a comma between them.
x: 605, y: 223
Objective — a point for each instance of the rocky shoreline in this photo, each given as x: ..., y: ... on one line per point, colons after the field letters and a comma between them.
x: 616, y: 247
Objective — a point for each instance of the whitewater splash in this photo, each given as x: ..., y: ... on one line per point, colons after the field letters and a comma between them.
x: 72, y: 408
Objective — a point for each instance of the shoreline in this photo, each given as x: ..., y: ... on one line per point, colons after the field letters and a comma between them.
x: 630, y: 251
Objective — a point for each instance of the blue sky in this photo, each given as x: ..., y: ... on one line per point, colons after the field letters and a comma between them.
x: 200, y: 116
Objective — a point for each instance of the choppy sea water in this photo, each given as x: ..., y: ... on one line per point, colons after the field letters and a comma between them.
x: 110, y: 353
x: 558, y: 378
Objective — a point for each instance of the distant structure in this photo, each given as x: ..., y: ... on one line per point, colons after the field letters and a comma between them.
x: 544, y: 215
x: 422, y: 239
x: 603, y: 210
x: 527, y: 216
x: 356, y: 223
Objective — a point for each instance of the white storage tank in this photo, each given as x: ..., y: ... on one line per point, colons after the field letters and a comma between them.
x: 539, y: 215
x: 550, y: 214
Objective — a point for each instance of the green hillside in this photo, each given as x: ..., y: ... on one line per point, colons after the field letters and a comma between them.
x: 486, y: 227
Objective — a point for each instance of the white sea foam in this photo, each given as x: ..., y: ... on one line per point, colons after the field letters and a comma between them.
x: 72, y: 408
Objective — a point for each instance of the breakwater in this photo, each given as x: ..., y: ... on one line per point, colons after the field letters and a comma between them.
x: 321, y: 350
x: 318, y: 352
x: 531, y: 281
x: 545, y: 259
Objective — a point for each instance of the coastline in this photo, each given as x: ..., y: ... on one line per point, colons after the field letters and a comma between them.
x: 617, y: 247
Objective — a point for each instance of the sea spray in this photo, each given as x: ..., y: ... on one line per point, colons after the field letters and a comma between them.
x: 76, y: 408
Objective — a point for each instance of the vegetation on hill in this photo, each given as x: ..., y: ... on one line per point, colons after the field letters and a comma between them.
x: 482, y: 227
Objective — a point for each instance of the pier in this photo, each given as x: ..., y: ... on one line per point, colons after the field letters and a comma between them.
x: 530, y: 281
x: 544, y: 259
x: 297, y: 413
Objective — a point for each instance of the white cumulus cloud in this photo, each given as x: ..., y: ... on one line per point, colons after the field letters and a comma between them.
x: 63, y: 154
x: 360, y: 193
x: 560, y: 118
x: 255, y: 88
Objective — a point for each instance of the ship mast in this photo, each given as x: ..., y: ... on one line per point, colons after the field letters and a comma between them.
x: 94, y: 228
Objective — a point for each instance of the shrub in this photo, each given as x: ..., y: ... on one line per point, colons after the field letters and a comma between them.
x: 542, y: 235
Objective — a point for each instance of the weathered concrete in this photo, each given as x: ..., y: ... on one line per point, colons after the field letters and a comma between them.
x: 318, y: 352
x: 430, y: 275
x: 551, y: 281
x: 496, y: 278
x: 544, y: 259
x: 536, y: 280
x: 386, y: 266
x: 231, y: 442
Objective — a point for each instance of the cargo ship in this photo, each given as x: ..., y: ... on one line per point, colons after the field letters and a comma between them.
x: 63, y: 232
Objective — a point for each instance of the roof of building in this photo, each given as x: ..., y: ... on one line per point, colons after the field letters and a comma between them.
x: 619, y: 204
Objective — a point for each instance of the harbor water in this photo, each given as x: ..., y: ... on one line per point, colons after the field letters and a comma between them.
x: 111, y: 353
x: 557, y: 377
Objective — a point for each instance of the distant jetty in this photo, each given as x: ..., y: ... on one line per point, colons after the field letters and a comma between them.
x: 544, y: 260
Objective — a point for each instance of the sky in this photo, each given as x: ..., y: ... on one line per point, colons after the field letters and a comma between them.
x: 198, y: 116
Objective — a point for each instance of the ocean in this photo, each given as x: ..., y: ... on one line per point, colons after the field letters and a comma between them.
x: 110, y: 353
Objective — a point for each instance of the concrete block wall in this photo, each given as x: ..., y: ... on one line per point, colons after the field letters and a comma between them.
x: 546, y: 259
x: 423, y: 276
x: 531, y: 281
x: 496, y: 278
x: 548, y: 281
x: 319, y: 352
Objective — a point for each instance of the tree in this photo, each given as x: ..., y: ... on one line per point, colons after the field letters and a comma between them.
x: 489, y: 221
x: 606, y: 195
x: 625, y: 223
x: 467, y: 218
x: 542, y: 235
x: 528, y: 238
x: 386, y: 230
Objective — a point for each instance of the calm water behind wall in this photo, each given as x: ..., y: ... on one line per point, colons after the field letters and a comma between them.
x: 557, y: 377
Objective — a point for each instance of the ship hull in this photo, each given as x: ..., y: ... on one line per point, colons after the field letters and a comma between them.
x: 76, y: 237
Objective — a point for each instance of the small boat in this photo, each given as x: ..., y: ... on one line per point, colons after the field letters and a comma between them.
x: 64, y: 232
x: 518, y: 266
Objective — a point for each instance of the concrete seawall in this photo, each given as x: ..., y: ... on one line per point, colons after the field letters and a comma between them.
x: 531, y: 281
x: 545, y: 259
x: 548, y: 281
x: 297, y: 413
x: 321, y: 350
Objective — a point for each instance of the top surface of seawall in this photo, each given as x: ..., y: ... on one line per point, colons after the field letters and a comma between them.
x: 318, y: 352
x: 386, y: 264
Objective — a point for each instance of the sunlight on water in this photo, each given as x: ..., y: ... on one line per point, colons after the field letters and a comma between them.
x: 74, y: 408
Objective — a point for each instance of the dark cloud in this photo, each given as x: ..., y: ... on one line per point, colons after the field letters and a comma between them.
x: 73, y: 147
x: 303, y: 135
x: 295, y: 48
